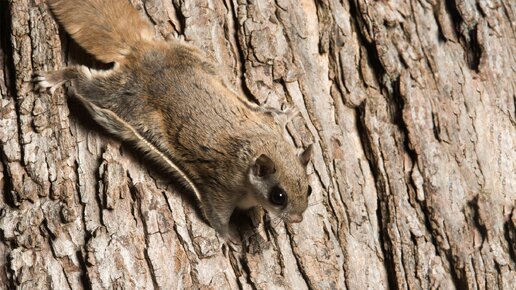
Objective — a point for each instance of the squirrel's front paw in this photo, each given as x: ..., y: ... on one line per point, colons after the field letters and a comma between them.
x: 232, y: 241
x: 290, y: 111
x: 50, y: 81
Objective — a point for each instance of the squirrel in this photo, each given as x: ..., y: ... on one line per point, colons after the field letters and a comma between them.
x: 166, y: 98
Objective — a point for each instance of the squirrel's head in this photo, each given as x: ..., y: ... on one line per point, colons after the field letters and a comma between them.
x: 280, y: 181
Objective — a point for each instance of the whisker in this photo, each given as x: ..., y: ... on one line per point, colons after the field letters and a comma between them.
x: 315, y: 203
x: 278, y: 220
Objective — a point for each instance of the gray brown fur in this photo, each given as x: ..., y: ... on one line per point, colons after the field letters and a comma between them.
x: 166, y: 98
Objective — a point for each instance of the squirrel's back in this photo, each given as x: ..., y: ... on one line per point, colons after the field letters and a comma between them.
x: 108, y: 29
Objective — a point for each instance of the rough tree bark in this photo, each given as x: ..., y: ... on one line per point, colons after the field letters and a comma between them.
x: 411, y: 105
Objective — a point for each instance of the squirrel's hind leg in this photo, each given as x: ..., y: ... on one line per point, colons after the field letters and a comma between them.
x: 81, y: 75
x: 87, y: 84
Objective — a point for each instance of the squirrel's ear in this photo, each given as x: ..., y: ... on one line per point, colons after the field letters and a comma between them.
x: 307, y: 154
x: 263, y: 166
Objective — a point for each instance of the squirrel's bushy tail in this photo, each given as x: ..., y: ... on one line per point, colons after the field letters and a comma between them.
x: 108, y: 29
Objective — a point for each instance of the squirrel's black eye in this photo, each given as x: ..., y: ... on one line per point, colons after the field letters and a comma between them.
x: 309, y: 190
x: 278, y: 196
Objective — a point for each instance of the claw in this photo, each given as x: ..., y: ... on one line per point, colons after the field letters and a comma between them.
x: 38, y: 78
x: 291, y: 112
x: 231, y: 242
x: 42, y: 83
x: 178, y: 36
x: 231, y: 245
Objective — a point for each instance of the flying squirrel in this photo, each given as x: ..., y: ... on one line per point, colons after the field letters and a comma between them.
x: 166, y: 98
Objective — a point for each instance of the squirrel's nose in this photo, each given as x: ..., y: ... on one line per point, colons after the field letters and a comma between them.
x: 295, y: 218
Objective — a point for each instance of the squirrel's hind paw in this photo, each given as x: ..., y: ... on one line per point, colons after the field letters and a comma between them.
x: 50, y: 81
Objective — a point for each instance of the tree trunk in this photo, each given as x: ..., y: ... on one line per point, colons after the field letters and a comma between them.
x: 411, y: 106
